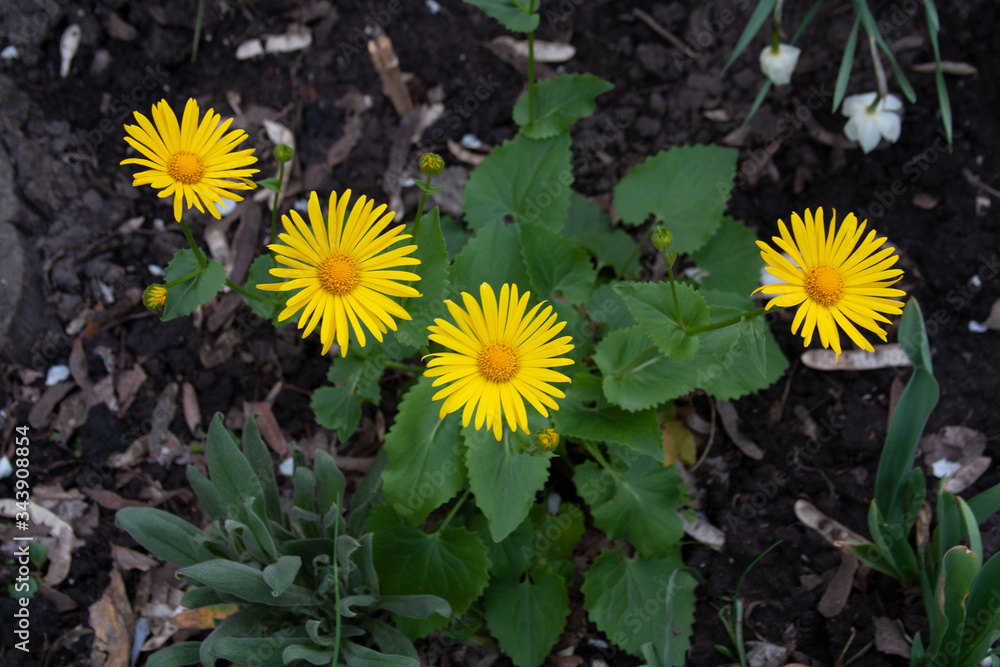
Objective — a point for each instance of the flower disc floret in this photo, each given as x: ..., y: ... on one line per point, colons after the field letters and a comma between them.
x: 343, y: 270
x: 837, y: 277
x: 501, y: 355
x: 195, y: 162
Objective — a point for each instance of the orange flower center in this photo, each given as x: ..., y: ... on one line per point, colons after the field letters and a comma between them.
x: 498, y: 363
x: 338, y: 274
x: 824, y: 285
x: 185, y: 167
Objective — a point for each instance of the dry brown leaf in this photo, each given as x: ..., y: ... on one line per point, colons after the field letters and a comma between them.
x: 41, y: 412
x: 703, y: 531
x: 129, y: 559
x: 72, y: 415
x: 959, y: 444
x: 296, y: 38
x: 730, y: 422
x: 112, y: 621
x: 268, y: 426
x: 342, y: 147
x: 926, y: 201
x: 78, y: 364
x: 61, y: 601
x: 110, y: 500
x: 163, y: 414
x: 60, y: 558
x: 127, y: 385
x: 832, y: 530
x: 839, y: 590
x: 219, y: 353
x: 464, y: 154
x: 967, y: 475
x: 884, y: 356
x: 947, y: 67
x: 889, y: 638
x: 205, y: 618
x: 192, y: 413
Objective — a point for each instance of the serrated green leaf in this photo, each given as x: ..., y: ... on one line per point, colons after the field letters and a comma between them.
x: 503, y: 479
x: 559, y: 102
x: 230, y: 471
x: 164, y: 535
x: 184, y: 653
x: 556, y: 535
x: 246, y: 583
x: 686, y: 188
x: 731, y: 260
x: 433, y: 284
x: 184, y: 298
x: 339, y: 408
x: 591, y: 227
x: 556, y: 266
x: 492, y: 256
x: 524, y: 178
x: 653, y: 307
x: 645, y: 489
x: 636, y: 376
x: 507, y: 14
x: 607, y: 309
x: 586, y: 415
x: 508, y: 558
x: 527, y: 617
x: 626, y: 598
x: 267, y: 304
x: 425, y: 461
x: 451, y: 563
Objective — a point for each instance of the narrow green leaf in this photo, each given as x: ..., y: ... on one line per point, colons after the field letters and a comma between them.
x: 503, y: 479
x: 280, y: 575
x: 508, y: 14
x: 527, y: 617
x: 983, y: 605
x: 229, y: 469
x: 985, y: 504
x: 757, y: 101
x: 246, y: 583
x: 863, y: 12
x: 972, y: 528
x: 653, y: 307
x: 259, y: 457
x: 806, y: 20
x: 959, y: 569
x: 556, y: 265
x: 414, y: 606
x: 524, y: 178
x: 425, y: 467
x: 433, y: 284
x: 846, y: 63
x: 760, y: 16
x: 166, y: 536
x: 686, y: 188
x: 330, y: 481
x: 244, y: 622
x: 361, y: 656
x: 185, y: 653
x: 492, y: 256
x: 933, y: 28
x: 184, y: 298
x: 272, y: 184
x: 559, y: 102
x: 211, y: 500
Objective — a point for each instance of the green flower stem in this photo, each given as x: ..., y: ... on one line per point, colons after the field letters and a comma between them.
x: 198, y: 23
x: 673, y: 290
x: 454, y: 510
x: 247, y: 293
x: 531, y: 70
x: 420, y: 209
x: 776, y: 26
x: 596, y: 453
x: 274, y: 209
x: 750, y: 314
x: 883, y: 87
x: 202, y: 262
x: 400, y: 366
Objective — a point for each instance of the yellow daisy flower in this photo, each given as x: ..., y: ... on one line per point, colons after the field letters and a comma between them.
x: 343, y: 270
x: 500, y: 355
x: 190, y: 161
x: 834, y: 280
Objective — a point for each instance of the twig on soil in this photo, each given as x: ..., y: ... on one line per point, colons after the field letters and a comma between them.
x: 669, y: 36
x: 975, y: 182
x: 386, y: 63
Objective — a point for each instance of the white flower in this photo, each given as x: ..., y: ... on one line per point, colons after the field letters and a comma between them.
x: 868, y: 127
x: 778, y: 65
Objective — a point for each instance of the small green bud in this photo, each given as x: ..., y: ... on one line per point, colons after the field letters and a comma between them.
x: 154, y: 297
x: 282, y: 153
x: 662, y: 239
x: 546, y: 439
x: 431, y: 164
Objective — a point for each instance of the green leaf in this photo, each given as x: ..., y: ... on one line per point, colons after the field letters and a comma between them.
x: 959, y: 569
x: 433, y: 284
x: 559, y: 102
x: 910, y: 416
x: 449, y: 563
x: 246, y: 583
x: 503, y: 479
x: 933, y: 28
x: 607, y: 309
x: 259, y: 458
x: 184, y: 298
x: 267, y: 304
x: 314, y: 655
x: 685, y: 188
x: 230, y: 471
x: 586, y: 415
x: 508, y: 14
x: 760, y: 16
x: 645, y: 489
x: 339, y: 407
x: 555, y: 535
x: 361, y: 656
x: 211, y: 500
x: 272, y: 184
x: 164, y: 535
x: 185, y: 653
x: 492, y: 256
x: 330, y: 481
x: 509, y: 558
x: 414, y: 606
x: 389, y: 639
x: 636, y: 376
x: 862, y: 11
x: 591, y: 227
x: 455, y: 235
x: 527, y: 617
x: 983, y: 605
x: 846, y: 62
x: 279, y: 576
x: 731, y: 260
x: 425, y: 461
x: 626, y: 599
x: 257, y: 651
x: 524, y: 178
x: 556, y: 265
x: 653, y: 307
x: 986, y: 504
x: 244, y: 622
x: 753, y: 335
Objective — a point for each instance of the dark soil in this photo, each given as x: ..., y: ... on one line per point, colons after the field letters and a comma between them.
x: 62, y: 188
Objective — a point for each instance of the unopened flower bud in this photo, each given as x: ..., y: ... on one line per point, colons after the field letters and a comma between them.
x: 431, y: 164
x: 778, y: 63
x: 546, y: 439
x: 154, y: 297
x: 282, y: 153
x: 662, y: 239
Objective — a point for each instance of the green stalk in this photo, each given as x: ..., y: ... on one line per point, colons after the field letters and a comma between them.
x: 750, y: 314
x: 454, y: 510
x: 400, y: 366
x: 274, y: 209
x: 336, y: 591
x: 198, y: 22
x: 596, y: 453
x: 883, y: 87
x: 673, y: 290
x: 190, y: 276
x: 423, y: 202
x: 246, y: 293
x: 202, y: 262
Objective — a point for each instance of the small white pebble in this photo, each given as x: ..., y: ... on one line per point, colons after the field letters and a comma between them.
x: 407, y: 183
x: 976, y: 281
x: 5, y: 468
x: 943, y: 467
x: 433, y: 6
x: 158, y: 224
x: 9, y: 52
x: 107, y: 294
x: 471, y: 141
x: 287, y: 467
x: 226, y: 206
x: 367, y: 100
x: 976, y: 327
x: 301, y: 205
x: 56, y: 374
x: 462, y: 57
x: 599, y: 643
x: 155, y: 270
x: 554, y: 501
